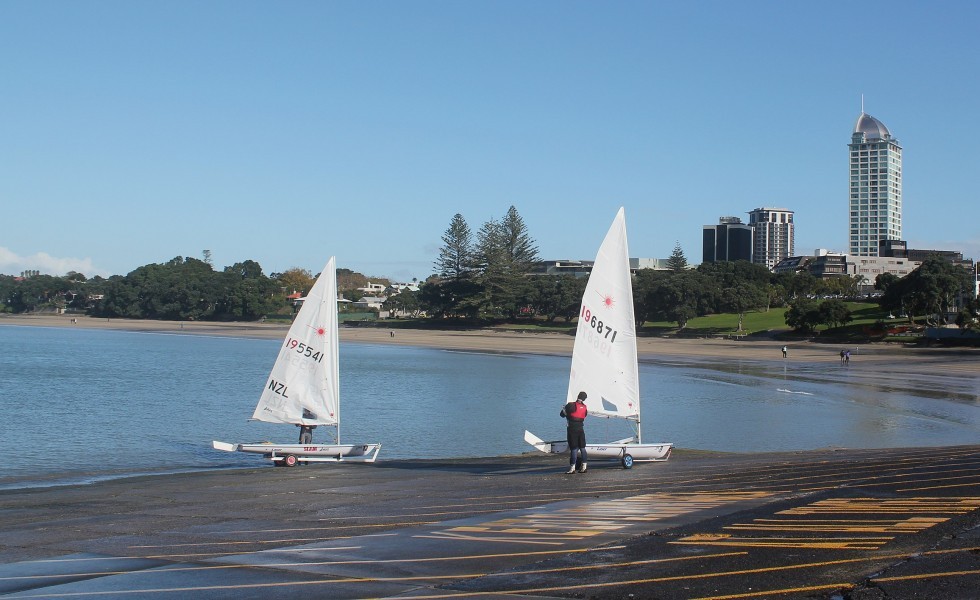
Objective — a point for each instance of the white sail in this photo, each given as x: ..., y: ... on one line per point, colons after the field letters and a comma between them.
x: 604, y: 360
x: 303, y: 387
x: 604, y: 355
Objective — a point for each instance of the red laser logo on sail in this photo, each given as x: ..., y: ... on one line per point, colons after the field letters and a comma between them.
x: 607, y: 301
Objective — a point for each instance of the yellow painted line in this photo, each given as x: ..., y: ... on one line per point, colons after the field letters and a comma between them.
x: 632, y: 509
x: 283, y: 541
x: 780, y: 592
x: 755, y: 594
x: 435, y: 559
x: 842, y: 506
x: 906, y: 526
x: 555, y: 540
x: 560, y: 496
x: 897, y: 473
x: 348, y: 580
x: 592, y: 518
x: 798, y: 543
x: 826, y: 521
x: 861, y: 477
x: 884, y: 506
x: 239, y: 543
x: 925, y: 576
x: 837, y: 543
x: 531, y: 590
x: 311, y: 550
x: 441, y: 513
x: 244, y: 586
x: 940, y: 487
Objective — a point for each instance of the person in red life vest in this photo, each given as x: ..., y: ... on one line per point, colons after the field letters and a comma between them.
x: 575, y: 413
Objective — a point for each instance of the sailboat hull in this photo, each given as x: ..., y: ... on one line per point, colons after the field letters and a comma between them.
x: 289, y: 454
x: 614, y: 450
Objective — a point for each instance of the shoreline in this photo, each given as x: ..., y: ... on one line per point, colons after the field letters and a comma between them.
x: 872, y: 365
x: 885, y: 357
x: 254, y: 531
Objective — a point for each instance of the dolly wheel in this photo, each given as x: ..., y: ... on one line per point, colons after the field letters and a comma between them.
x: 290, y: 460
x: 627, y: 461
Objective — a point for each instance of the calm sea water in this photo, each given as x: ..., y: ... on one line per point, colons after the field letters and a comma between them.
x: 80, y: 405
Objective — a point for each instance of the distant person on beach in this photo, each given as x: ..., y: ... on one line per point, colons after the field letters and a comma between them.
x: 574, y: 413
x: 842, y: 353
x: 847, y: 357
x: 306, y: 434
x: 784, y: 351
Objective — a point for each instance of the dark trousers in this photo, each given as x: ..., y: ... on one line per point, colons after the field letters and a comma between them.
x: 576, y: 444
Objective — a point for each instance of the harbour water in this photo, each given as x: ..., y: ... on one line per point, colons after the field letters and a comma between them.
x: 81, y: 405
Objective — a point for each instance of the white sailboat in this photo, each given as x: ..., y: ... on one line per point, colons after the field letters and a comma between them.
x: 304, y: 385
x: 604, y: 362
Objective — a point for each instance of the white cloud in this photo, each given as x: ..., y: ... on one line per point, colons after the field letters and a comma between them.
x: 12, y: 264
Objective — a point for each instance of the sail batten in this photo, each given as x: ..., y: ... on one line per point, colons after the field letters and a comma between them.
x: 304, y: 387
x: 604, y: 361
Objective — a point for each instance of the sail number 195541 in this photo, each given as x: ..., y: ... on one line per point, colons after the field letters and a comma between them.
x: 604, y: 330
x: 303, y: 349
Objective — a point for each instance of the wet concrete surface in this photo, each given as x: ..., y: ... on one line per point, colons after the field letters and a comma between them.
x: 847, y: 524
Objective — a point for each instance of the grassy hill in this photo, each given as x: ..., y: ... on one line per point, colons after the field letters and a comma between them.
x: 773, y: 323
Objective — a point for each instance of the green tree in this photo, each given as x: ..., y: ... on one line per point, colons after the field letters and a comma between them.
x: 743, y: 296
x: 253, y: 294
x: 496, y: 296
x: 677, y: 262
x: 571, y: 289
x: 36, y: 293
x: 941, y: 287
x: 449, y: 298
x: 405, y: 301
x: 803, y: 315
x: 834, y: 313
x: 296, y: 280
x: 554, y: 296
x: 456, y: 256
x: 884, y: 280
x: 190, y: 289
x: 802, y: 284
x: 673, y: 296
x: 933, y: 290
x: 454, y: 292
x: 519, y: 254
x: 351, y: 280
x: 775, y: 295
x: 504, y: 256
x: 520, y: 250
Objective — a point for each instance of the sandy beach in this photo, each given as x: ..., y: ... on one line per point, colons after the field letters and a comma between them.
x: 885, y: 357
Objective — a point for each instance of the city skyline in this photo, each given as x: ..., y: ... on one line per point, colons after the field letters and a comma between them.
x: 285, y: 134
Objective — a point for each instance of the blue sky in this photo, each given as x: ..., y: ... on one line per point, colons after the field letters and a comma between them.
x: 287, y: 132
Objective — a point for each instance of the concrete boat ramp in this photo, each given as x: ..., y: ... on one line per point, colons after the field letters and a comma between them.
x: 857, y: 524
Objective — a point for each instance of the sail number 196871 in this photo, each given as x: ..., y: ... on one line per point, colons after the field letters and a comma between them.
x: 303, y: 349
x: 604, y: 330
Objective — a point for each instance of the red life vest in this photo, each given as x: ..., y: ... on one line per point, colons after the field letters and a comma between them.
x: 579, y: 412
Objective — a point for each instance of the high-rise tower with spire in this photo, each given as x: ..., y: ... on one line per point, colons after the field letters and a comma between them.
x: 876, y: 186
